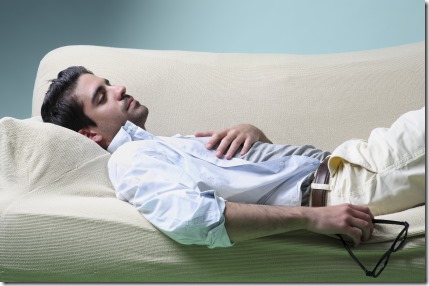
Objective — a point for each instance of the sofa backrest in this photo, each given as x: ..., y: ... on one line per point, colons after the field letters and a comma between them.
x: 297, y: 99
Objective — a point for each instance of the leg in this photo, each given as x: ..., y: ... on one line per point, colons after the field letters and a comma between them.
x: 387, y: 172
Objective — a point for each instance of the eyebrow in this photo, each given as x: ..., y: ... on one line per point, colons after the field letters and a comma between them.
x: 97, y: 91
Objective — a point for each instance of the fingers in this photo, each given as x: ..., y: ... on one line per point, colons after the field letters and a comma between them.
x: 229, y: 142
x: 354, y: 234
x: 246, y: 146
x: 363, y: 209
x: 362, y: 219
x: 231, y: 139
x: 229, y: 146
x: 204, y: 134
x: 215, y: 138
x: 352, y: 221
x: 359, y: 225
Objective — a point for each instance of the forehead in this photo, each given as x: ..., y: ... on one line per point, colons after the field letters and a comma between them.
x: 87, y: 85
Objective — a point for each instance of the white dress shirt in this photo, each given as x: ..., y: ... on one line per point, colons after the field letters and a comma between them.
x: 181, y: 187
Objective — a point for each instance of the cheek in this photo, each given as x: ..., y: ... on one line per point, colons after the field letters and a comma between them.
x: 109, y: 118
x: 111, y: 113
x: 115, y: 120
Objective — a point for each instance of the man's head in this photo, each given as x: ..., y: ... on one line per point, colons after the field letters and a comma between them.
x: 79, y: 100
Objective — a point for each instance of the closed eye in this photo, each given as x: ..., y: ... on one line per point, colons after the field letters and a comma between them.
x: 100, y: 94
x: 102, y: 98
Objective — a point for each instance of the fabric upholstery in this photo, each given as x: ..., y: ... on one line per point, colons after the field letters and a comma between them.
x: 60, y: 220
x: 329, y: 98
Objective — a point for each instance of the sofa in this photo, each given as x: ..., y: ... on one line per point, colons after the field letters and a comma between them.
x: 61, y: 222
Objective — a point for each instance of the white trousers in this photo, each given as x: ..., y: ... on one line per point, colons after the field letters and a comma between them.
x: 387, y: 172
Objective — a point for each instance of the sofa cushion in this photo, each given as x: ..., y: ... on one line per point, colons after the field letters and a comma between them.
x: 321, y: 100
x: 36, y: 154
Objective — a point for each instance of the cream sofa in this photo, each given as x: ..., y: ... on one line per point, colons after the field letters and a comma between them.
x: 60, y: 220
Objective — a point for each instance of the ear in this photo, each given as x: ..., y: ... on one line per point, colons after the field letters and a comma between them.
x: 91, y: 134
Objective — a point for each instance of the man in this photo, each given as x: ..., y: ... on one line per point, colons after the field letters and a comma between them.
x: 195, y: 196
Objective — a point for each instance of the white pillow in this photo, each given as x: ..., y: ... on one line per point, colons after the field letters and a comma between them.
x: 34, y: 154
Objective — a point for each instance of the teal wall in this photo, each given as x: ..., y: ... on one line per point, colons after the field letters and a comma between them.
x: 29, y: 29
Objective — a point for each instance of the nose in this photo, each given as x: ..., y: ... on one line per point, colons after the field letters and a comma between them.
x: 119, y: 92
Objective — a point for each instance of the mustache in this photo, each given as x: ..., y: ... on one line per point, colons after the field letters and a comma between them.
x: 127, y: 101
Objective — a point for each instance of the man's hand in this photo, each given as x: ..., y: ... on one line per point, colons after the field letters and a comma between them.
x: 231, y: 139
x: 351, y: 220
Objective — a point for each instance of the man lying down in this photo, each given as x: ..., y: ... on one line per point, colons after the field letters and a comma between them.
x: 219, y: 188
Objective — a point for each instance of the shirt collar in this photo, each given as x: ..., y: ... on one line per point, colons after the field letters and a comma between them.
x: 127, y: 133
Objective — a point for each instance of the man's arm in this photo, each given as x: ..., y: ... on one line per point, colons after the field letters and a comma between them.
x: 231, y: 139
x: 167, y: 197
x: 246, y: 221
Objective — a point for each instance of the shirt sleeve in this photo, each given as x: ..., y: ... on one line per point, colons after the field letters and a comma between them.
x: 165, y: 197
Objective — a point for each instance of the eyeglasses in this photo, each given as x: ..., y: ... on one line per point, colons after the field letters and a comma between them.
x: 397, y: 243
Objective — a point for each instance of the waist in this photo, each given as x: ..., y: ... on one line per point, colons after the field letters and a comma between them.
x: 320, y: 186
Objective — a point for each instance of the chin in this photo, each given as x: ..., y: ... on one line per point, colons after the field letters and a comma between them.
x: 141, y: 117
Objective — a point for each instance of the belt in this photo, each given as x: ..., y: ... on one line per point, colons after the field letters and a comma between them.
x: 320, y: 185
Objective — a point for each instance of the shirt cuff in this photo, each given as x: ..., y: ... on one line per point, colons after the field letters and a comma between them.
x: 218, y: 237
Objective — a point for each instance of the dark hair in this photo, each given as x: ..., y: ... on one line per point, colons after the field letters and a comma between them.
x: 61, y: 106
